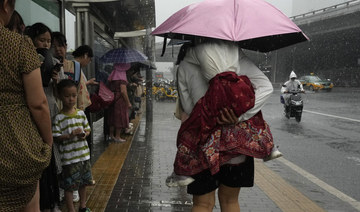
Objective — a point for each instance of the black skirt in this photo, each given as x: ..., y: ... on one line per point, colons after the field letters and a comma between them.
x: 240, y: 175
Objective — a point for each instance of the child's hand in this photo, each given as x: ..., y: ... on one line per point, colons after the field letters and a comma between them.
x: 82, y: 135
x: 76, y: 132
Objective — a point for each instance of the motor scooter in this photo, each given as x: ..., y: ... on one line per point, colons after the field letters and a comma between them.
x: 295, y: 105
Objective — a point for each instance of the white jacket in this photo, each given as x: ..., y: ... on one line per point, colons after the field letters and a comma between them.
x: 192, y: 85
x: 292, y: 85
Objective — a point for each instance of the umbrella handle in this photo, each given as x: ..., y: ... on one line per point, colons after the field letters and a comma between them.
x: 164, y: 46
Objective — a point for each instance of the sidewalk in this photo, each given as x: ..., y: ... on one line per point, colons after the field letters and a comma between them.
x: 131, y: 176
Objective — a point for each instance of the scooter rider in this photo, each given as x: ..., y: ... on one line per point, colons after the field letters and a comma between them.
x: 291, y: 85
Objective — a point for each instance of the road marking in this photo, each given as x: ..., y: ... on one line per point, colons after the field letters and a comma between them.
x: 332, y: 116
x: 356, y: 159
x: 353, y: 202
x: 284, y: 195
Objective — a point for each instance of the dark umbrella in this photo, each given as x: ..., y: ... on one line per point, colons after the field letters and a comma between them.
x: 123, y: 55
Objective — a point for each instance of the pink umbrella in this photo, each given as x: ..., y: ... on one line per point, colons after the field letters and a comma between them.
x: 257, y: 24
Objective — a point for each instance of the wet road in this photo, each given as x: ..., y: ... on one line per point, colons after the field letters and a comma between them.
x: 321, y: 159
x: 322, y: 152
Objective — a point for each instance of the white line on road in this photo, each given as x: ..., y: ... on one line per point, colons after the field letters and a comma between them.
x: 356, y: 159
x: 353, y: 202
x: 333, y: 116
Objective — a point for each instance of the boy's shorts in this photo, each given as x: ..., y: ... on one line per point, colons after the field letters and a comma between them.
x: 236, y: 176
x: 76, y: 175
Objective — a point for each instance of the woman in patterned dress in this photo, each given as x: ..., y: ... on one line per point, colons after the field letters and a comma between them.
x: 25, y: 130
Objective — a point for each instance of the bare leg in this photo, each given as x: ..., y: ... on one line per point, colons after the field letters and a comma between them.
x: 69, y: 201
x: 204, y: 203
x: 82, y: 193
x: 34, y: 204
x: 118, y: 134
x: 229, y: 198
x: 111, y: 132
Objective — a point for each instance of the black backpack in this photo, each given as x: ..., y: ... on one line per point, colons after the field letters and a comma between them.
x: 46, y: 66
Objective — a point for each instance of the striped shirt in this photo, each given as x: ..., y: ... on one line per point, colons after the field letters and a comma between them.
x: 73, y: 150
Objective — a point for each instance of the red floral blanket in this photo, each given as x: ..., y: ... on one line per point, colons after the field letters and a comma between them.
x: 203, y: 144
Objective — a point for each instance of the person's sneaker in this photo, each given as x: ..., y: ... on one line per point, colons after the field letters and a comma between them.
x: 129, y: 131
x: 275, y: 153
x: 61, y: 194
x: 92, y: 183
x: 175, y: 180
x: 76, y: 196
x: 84, y: 210
x: 56, y: 209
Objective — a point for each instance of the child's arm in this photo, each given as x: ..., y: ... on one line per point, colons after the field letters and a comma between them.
x: 73, y: 134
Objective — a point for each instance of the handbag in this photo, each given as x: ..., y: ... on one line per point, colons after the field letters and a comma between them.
x: 102, y: 99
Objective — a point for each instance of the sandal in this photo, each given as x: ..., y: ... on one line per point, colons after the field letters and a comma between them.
x: 120, y: 140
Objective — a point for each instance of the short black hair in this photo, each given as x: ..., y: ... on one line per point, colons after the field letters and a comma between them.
x: 65, y: 83
x: 37, y: 29
x: 59, y: 37
x: 82, y: 50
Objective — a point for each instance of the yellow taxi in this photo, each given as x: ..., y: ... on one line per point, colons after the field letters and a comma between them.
x: 315, y: 83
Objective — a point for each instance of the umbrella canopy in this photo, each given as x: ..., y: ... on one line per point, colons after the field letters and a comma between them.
x: 255, y: 24
x: 123, y: 55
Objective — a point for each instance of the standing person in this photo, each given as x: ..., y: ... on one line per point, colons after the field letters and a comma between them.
x: 26, y: 139
x: 118, y: 112
x: 59, y: 46
x: 40, y: 34
x: 239, y: 173
x: 84, y: 54
x: 70, y: 130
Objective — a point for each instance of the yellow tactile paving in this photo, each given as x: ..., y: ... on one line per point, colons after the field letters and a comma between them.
x: 285, y: 196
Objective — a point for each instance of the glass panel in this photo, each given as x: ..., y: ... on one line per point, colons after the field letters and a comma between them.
x: 101, y: 46
x: 46, y: 12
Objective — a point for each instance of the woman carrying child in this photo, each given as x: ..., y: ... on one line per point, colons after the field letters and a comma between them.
x: 216, y: 160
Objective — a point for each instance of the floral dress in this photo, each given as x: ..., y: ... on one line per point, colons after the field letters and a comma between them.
x: 202, y: 144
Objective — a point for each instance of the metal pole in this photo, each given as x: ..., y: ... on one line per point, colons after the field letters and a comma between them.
x: 274, y: 69
x: 78, y: 28
x: 87, y: 28
x: 149, y: 81
x: 62, y: 16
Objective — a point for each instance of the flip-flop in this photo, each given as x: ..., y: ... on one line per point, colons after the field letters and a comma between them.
x: 119, y: 140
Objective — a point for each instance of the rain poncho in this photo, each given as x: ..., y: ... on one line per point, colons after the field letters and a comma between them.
x: 201, y: 142
x: 292, y: 85
x: 119, y: 72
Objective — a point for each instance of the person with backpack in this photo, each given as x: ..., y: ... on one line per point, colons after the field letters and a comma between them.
x: 84, y: 54
x: 72, y: 69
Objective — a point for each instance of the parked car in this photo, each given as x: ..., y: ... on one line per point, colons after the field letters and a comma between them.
x: 315, y: 83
